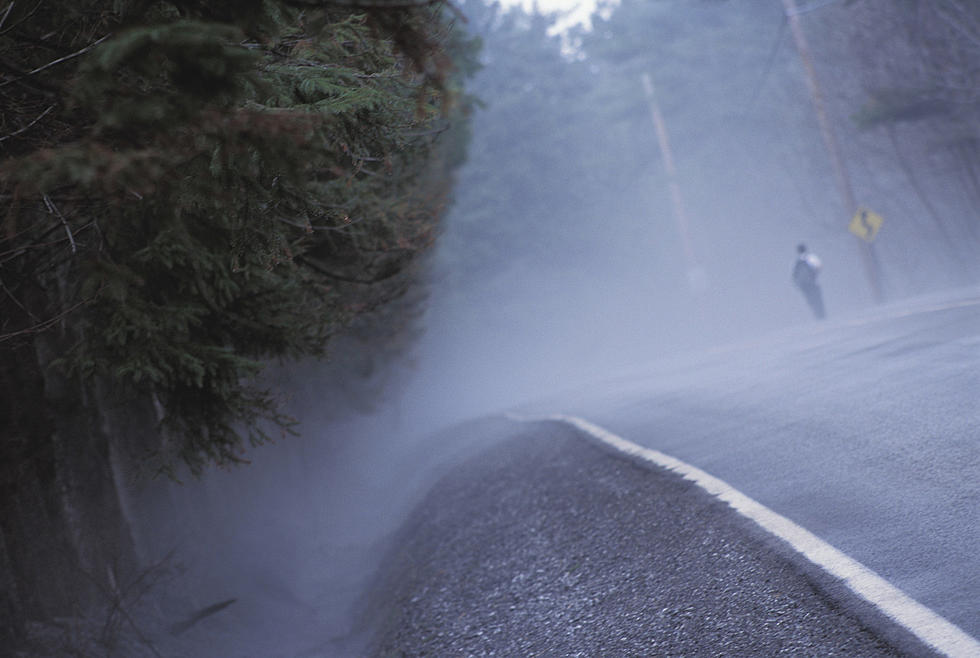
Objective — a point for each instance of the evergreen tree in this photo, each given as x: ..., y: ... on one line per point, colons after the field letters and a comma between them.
x: 196, y: 187
x: 192, y: 189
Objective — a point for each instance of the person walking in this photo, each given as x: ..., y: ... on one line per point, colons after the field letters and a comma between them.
x: 805, y: 273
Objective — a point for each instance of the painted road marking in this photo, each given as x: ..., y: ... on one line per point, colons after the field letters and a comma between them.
x: 922, y: 622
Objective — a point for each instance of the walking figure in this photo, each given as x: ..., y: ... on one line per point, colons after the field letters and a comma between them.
x: 805, y: 273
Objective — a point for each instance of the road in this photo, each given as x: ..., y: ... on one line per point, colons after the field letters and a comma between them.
x: 546, y: 544
x: 864, y: 430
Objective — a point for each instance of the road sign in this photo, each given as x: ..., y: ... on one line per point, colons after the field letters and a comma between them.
x: 865, y: 224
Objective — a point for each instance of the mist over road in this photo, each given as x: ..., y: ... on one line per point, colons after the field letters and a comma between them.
x: 862, y: 430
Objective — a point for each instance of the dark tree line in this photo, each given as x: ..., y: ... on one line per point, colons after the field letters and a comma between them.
x: 192, y: 189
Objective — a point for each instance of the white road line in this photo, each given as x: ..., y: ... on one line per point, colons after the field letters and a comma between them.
x: 925, y: 624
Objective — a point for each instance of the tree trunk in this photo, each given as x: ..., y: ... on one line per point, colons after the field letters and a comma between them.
x: 64, y: 540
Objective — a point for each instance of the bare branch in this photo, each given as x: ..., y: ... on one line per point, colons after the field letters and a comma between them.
x: 42, y: 326
x: 53, y: 209
x: 77, y: 53
x: 179, y: 628
x: 6, y: 13
x: 28, y: 126
x: 40, y: 243
x: 16, y: 301
x: 957, y: 26
x: 24, y: 18
x: 964, y: 17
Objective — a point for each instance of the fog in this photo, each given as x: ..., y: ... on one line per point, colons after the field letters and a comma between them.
x: 528, y: 303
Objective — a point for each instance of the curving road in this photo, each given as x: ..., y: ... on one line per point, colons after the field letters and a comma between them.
x: 864, y: 430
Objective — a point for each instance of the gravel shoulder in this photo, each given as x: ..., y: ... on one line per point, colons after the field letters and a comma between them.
x: 546, y: 544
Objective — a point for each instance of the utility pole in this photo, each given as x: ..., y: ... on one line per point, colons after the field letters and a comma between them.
x: 696, y: 277
x: 832, y: 145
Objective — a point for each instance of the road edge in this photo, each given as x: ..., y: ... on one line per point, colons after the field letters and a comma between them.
x: 925, y: 625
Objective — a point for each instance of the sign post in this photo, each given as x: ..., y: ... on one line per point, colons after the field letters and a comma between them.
x: 833, y: 148
x: 865, y: 224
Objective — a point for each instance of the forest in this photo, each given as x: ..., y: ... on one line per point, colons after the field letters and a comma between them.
x: 229, y: 224
x: 192, y: 190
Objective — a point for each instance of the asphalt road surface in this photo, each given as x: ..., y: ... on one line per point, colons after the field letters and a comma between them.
x: 864, y: 431
x: 547, y: 545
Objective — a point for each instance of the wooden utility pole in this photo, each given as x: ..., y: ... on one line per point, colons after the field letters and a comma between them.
x: 696, y: 277
x: 833, y: 147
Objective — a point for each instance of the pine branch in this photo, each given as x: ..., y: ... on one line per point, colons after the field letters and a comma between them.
x: 368, y: 4
x: 384, y: 275
x: 182, y: 286
x: 309, y: 227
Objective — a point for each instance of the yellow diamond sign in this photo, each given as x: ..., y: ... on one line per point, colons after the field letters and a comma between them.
x: 865, y: 224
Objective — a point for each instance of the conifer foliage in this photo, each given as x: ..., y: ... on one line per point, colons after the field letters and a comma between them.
x: 195, y: 186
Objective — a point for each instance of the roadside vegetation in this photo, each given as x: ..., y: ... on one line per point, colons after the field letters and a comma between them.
x: 191, y: 191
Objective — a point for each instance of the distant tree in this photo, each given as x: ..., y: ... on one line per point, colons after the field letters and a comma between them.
x: 917, y: 73
x: 527, y: 192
